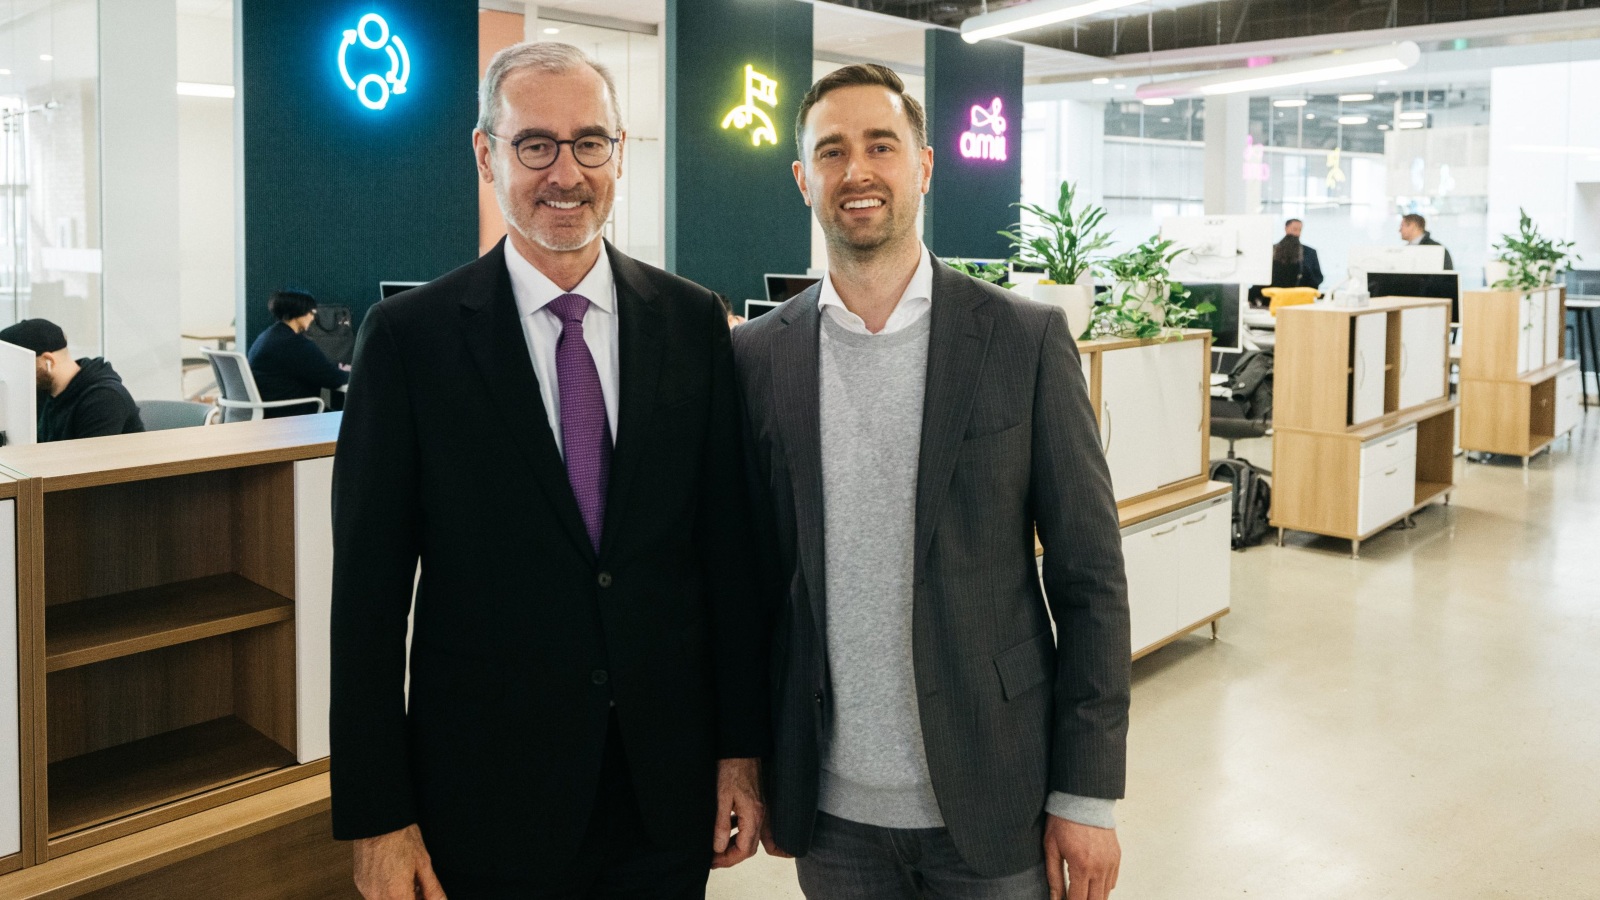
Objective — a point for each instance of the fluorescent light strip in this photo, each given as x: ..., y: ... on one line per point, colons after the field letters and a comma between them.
x: 1354, y: 98
x: 1413, y: 116
x: 1327, y: 67
x: 1554, y: 148
x: 1038, y: 14
x: 1288, y: 104
x: 1159, y: 101
x: 1409, y: 126
x: 1101, y: 81
x: 201, y: 89
x: 1352, y: 120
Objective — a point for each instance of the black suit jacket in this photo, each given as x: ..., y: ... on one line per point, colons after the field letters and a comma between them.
x: 524, y: 636
x: 1009, y: 443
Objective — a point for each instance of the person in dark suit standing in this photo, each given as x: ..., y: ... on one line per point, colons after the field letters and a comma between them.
x: 552, y: 432
x: 1306, y: 271
x: 909, y: 428
x: 285, y: 363
x: 1414, y: 231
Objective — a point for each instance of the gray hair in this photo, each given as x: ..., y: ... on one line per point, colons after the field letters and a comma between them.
x: 542, y: 56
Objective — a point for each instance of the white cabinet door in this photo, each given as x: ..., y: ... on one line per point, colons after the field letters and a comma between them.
x: 1204, y: 560
x: 1386, y: 494
x: 10, y: 735
x: 1366, y: 382
x: 1422, y: 354
x: 313, y: 603
x: 1569, y: 400
x: 1182, y: 380
x: 1149, y: 553
x: 1130, y: 421
x: 1530, y: 337
x: 1554, y: 324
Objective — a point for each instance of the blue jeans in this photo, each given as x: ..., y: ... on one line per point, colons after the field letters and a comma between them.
x: 852, y: 861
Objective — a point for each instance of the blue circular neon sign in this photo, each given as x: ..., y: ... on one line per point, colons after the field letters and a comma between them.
x: 374, y: 90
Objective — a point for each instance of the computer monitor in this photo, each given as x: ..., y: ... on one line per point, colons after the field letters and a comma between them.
x: 782, y: 287
x: 1444, y: 285
x: 1226, y: 321
x: 754, y: 308
x: 387, y: 289
x: 1582, y: 282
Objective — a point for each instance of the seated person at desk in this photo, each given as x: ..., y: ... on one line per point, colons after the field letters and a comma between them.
x: 78, y: 398
x: 1414, y: 231
x: 286, y: 363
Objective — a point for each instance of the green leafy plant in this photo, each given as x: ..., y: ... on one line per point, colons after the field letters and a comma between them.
x: 997, y: 273
x: 1064, y: 242
x: 1534, y: 259
x: 1145, y: 303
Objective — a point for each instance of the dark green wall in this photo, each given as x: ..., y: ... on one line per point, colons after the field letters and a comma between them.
x: 338, y: 197
x: 970, y: 199
x: 732, y: 209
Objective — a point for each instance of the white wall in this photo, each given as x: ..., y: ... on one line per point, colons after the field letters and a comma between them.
x: 205, y: 177
x: 139, y: 193
x: 1544, y: 151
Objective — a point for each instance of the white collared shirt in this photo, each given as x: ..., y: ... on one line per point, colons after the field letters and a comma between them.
x: 1416, y: 240
x: 913, y: 305
x: 541, y: 328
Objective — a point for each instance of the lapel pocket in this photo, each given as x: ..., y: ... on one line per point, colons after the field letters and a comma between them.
x: 1027, y: 665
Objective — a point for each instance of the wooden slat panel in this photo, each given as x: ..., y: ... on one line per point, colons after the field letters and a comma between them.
x: 92, y: 631
x: 94, y: 788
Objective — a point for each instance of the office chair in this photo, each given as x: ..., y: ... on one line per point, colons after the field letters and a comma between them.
x: 160, y: 415
x: 241, y: 399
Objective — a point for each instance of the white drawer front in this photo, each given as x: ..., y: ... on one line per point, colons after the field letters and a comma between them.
x: 1383, y: 452
x: 1387, y: 493
x: 1569, y: 400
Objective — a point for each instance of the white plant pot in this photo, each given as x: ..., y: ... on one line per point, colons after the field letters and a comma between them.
x: 1076, y: 299
x: 1494, y: 270
x: 1141, y: 295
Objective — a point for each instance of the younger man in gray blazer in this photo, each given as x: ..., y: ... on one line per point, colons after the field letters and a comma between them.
x: 909, y: 428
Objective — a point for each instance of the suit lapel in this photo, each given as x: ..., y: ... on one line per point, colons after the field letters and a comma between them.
x: 638, y: 372
x: 957, y: 345
x: 495, y: 340
x: 796, y: 392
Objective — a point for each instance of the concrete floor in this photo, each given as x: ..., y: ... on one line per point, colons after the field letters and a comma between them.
x: 1421, y: 723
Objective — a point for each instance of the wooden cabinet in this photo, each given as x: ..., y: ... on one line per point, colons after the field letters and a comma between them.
x: 1131, y: 426
x: 1178, y: 571
x: 173, y: 626
x: 1151, y: 399
x: 1364, y: 430
x: 10, y: 710
x: 1514, y: 399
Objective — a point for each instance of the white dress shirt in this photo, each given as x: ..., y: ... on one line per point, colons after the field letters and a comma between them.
x: 913, y: 305
x: 541, y: 327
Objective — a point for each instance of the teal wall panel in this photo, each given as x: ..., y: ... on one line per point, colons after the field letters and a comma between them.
x: 974, y: 100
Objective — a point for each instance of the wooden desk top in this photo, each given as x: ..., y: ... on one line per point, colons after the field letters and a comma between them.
x: 1378, y: 304
x: 1101, y: 344
x: 64, y: 465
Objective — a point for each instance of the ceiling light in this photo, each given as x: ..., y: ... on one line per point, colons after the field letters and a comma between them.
x: 5, y: 71
x: 1354, y: 98
x: 1120, y: 87
x: 1415, y: 115
x: 1101, y: 81
x: 1408, y: 126
x: 1352, y: 120
x: 1159, y: 101
x: 552, y: 31
x: 1383, y: 128
x: 1327, y: 67
x: 199, y: 89
x: 1037, y: 14
x: 45, y: 57
x: 1166, y: 119
x: 1311, y: 115
x: 1288, y: 104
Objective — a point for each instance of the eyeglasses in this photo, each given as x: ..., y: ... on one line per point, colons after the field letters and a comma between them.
x: 538, y: 152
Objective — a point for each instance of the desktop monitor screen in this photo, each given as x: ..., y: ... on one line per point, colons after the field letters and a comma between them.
x: 387, y: 289
x: 782, y: 287
x: 1582, y: 283
x: 753, y: 308
x: 1444, y: 285
x: 1225, y: 321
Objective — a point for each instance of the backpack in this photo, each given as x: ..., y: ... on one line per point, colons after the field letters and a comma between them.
x: 333, y: 333
x: 1252, y: 500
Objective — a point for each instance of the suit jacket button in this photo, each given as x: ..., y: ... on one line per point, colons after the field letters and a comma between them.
x: 819, y: 698
x: 600, y: 676
x: 604, y: 579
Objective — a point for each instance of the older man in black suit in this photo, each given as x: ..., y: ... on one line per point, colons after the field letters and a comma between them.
x: 551, y: 431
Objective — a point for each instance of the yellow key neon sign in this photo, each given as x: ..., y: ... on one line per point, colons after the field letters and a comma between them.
x: 758, y: 88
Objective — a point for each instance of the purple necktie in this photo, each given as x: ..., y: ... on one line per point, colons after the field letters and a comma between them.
x: 585, y: 432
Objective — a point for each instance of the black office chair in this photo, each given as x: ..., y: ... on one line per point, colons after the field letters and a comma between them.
x: 1247, y: 410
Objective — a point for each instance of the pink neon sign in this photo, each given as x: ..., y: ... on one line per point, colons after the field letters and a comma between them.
x: 986, y: 138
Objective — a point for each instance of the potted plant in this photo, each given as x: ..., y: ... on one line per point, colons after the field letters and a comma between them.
x: 1145, y: 301
x: 1063, y: 243
x: 996, y: 273
x: 1528, y: 260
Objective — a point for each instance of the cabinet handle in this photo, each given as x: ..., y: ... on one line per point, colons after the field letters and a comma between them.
x: 1393, y: 443
x: 1361, y: 368
x: 1106, y: 407
x: 1405, y: 357
x: 1168, y: 530
x: 1392, y: 471
x: 1196, y: 520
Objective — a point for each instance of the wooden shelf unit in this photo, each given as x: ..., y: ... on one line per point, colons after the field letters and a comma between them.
x: 1519, y: 392
x: 1364, y: 428
x: 173, y: 650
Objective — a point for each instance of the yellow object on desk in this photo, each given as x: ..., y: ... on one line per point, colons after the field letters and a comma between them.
x: 1289, y: 296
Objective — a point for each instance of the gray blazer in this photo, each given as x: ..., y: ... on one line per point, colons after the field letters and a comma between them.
x: 1009, y: 443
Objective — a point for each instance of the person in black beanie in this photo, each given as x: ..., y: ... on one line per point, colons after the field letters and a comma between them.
x: 78, y: 398
x: 285, y: 363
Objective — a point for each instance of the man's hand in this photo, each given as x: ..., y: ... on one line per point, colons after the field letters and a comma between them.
x: 395, y: 866
x: 1092, y: 857
x: 738, y: 802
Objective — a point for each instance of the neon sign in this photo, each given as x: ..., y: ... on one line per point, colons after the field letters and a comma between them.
x: 758, y: 88
x: 373, y: 33
x: 986, y: 139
